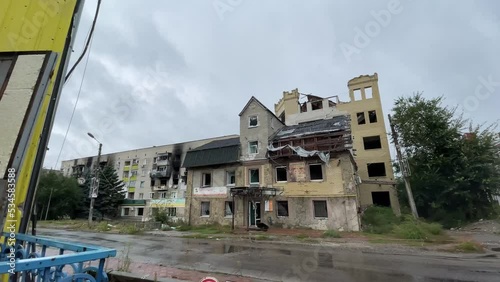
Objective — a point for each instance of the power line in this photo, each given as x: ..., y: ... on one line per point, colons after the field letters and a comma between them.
x: 76, y: 103
x: 87, y: 44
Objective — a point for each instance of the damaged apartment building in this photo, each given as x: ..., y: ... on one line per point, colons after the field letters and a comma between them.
x: 153, y: 178
x: 315, y: 163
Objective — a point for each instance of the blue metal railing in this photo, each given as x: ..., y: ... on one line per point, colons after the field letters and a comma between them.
x: 33, y: 261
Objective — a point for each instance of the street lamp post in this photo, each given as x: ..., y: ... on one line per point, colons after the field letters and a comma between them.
x: 94, y: 185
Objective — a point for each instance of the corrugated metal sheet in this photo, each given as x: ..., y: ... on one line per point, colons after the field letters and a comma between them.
x: 338, y: 123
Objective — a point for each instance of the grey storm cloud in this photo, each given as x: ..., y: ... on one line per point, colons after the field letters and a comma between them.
x: 171, y: 71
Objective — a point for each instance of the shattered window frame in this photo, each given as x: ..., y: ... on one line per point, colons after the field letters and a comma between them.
x: 277, y: 174
x: 205, y: 209
x: 253, y: 119
x: 282, y: 208
x: 230, y: 178
x: 228, y: 208
x: 311, y: 174
x: 372, y: 116
x: 361, y: 118
x: 204, y: 179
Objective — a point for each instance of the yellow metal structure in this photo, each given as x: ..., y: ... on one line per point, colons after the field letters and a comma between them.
x: 34, y: 25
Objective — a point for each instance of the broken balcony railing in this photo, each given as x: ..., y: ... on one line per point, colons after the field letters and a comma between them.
x: 42, y: 259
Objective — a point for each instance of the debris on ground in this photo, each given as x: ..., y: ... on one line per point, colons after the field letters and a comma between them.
x: 489, y: 226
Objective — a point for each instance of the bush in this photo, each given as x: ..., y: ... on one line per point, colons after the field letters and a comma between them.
x: 410, y: 230
x: 469, y: 247
x: 103, y: 226
x: 379, y: 220
x: 432, y: 228
x: 331, y: 234
x: 130, y: 229
x: 162, y: 216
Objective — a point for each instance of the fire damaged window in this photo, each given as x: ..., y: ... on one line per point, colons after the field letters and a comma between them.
x: 376, y: 169
x: 205, y: 208
x: 281, y: 174
x: 372, y: 142
x: 316, y: 171
x: 228, y: 208
x: 253, y: 121
x: 140, y: 211
x: 361, y: 118
x: 320, y: 209
x: 282, y: 208
x: 254, y: 176
x: 206, y: 180
x: 372, y: 115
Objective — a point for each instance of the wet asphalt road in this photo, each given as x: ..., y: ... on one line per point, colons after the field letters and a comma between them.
x: 285, y: 262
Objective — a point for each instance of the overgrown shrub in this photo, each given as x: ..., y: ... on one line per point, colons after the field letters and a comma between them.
x: 103, y: 226
x: 379, y: 220
x: 410, y: 230
x: 130, y: 229
x: 432, y: 228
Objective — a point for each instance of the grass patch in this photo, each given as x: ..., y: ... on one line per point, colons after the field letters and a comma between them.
x: 130, y: 229
x: 331, y: 234
x: 102, y: 227
x: 301, y: 236
x: 469, y: 247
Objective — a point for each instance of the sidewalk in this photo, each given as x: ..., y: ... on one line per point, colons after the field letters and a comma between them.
x: 150, y: 271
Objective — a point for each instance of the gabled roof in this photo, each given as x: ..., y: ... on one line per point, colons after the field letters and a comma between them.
x: 219, y: 152
x: 337, y: 123
x: 253, y: 99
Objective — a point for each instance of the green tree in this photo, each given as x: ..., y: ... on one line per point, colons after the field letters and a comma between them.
x: 111, y: 193
x: 453, y: 178
x: 66, y: 198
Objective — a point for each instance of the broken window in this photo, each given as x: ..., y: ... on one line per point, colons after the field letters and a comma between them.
x: 253, y: 147
x: 140, y: 211
x: 231, y: 178
x: 281, y: 174
x: 141, y: 196
x: 372, y: 142
x: 368, y: 92
x: 357, y: 94
x: 361, y: 118
x: 282, y: 208
x: 163, y: 182
x: 228, y: 208
x: 253, y: 121
x: 376, y: 169
x: 152, y: 183
x: 126, y: 211
x: 317, y: 105
x: 316, y: 171
x: 206, y: 180
x: 254, y: 176
x: 127, y: 163
x: 163, y: 195
x: 372, y: 115
x: 381, y: 198
x: 205, y: 208
x: 320, y: 209
x: 130, y: 195
x: 141, y: 185
x: 152, y: 195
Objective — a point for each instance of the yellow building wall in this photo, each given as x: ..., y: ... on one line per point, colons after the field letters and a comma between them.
x: 28, y: 25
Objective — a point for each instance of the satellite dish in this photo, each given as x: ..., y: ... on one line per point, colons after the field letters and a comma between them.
x: 81, y: 180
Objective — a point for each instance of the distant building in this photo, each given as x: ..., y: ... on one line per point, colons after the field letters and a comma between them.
x: 153, y: 177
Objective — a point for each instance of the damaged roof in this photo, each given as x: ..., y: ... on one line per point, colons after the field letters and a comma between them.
x: 225, y: 151
x: 337, y: 123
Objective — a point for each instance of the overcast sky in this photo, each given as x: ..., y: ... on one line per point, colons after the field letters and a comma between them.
x: 162, y: 72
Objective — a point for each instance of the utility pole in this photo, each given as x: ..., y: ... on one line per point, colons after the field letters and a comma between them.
x: 94, y: 185
x: 404, y: 169
x: 48, y: 204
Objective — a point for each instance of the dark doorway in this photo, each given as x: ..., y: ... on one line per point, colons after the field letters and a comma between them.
x: 381, y: 199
